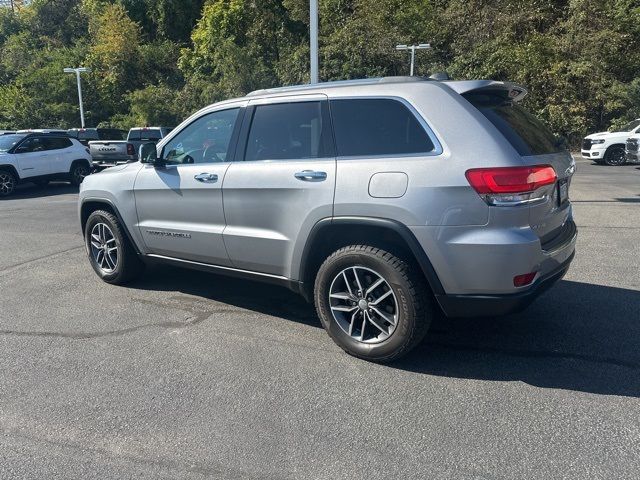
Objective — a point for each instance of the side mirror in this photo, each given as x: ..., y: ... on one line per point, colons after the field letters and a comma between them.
x: 22, y: 149
x: 148, y: 153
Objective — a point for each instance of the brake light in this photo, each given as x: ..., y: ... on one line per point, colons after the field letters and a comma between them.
x: 508, y: 186
x: 130, y: 149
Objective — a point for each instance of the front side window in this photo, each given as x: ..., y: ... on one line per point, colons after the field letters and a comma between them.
x: 33, y: 144
x: 377, y: 127
x: 287, y: 131
x: 205, y: 140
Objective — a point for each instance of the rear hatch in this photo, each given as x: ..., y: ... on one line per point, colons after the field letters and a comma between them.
x: 537, y: 146
x: 109, y: 151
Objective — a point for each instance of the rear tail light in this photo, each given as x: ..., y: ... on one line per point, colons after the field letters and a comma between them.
x: 509, y: 186
x: 523, y: 280
x: 130, y: 149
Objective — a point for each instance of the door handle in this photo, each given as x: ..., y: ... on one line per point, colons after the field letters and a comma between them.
x: 311, y: 176
x: 206, y: 177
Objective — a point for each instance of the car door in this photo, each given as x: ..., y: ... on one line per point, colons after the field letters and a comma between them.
x: 179, y: 204
x: 282, y: 184
x: 61, y: 154
x: 34, y: 157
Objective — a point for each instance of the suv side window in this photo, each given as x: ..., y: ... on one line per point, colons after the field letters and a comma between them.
x: 57, y: 143
x: 381, y: 126
x: 206, y: 140
x: 287, y: 131
x: 33, y: 144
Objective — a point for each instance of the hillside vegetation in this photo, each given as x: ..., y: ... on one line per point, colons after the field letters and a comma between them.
x: 156, y: 61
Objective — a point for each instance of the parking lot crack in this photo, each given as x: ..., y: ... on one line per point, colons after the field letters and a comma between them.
x: 10, y: 268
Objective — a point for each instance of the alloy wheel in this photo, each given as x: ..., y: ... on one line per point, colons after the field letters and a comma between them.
x: 616, y: 157
x: 363, y: 304
x: 104, y: 249
x: 7, y: 184
x: 79, y: 174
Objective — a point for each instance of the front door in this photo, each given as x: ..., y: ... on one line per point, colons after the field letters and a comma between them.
x: 34, y: 157
x: 282, y: 184
x: 179, y: 205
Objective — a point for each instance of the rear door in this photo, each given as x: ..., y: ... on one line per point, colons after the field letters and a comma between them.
x: 283, y: 184
x: 179, y: 205
x: 62, y: 154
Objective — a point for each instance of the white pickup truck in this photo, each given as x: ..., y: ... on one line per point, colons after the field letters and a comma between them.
x: 107, y: 153
x: 609, y: 147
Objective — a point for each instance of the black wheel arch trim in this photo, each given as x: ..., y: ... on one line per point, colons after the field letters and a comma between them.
x: 402, y: 230
x: 116, y: 212
x: 80, y: 160
x: 11, y: 170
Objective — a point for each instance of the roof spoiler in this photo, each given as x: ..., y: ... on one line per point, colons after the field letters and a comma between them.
x: 516, y: 92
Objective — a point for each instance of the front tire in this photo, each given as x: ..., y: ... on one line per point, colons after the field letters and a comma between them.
x: 372, y: 303
x: 615, y: 156
x: 111, y: 254
x: 8, y: 183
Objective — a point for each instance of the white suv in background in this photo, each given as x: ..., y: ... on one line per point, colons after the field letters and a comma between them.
x: 39, y: 158
x: 608, y: 147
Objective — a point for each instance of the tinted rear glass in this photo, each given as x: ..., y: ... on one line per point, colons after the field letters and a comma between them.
x: 57, y: 143
x: 526, y: 133
x: 377, y: 127
x: 150, y: 134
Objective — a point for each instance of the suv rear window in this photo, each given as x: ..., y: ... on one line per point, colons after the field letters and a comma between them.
x: 525, y: 132
x: 57, y: 143
x: 145, y: 134
x: 377, y: 127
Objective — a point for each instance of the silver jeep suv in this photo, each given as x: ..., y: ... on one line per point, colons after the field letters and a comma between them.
x: 384, y: 201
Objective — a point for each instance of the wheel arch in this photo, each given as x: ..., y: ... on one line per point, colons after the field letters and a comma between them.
x: 80, y: 160
x: 90, y: 205
x: 11, y: 169
x: 331, y: 234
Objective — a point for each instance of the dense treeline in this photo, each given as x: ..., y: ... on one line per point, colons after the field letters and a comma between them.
x: 156, y: 61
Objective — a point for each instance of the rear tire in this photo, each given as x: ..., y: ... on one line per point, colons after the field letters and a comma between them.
x: 110, y: 252
x: 376, y: 323
x: 8, y: 182
x: 79, y: 170
x: 615, y: 156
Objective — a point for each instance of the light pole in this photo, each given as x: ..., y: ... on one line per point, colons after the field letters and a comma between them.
x: 413, y: 48
x: 78, y: 71
x: 313, y: 39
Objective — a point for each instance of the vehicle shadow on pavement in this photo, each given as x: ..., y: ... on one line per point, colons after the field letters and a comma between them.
x: 577, y: 336
x: 259, y: 297
x: 34, y: 191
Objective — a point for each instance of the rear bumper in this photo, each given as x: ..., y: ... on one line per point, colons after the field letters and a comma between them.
x: 100, y: 164
x: 496, y: 305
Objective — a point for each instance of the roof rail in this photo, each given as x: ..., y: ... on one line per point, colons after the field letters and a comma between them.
x: 338, y: 83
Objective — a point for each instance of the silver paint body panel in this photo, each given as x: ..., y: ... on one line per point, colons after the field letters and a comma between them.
x: 258, y: 216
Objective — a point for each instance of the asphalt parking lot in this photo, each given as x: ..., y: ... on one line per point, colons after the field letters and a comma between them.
x: 189, y: 375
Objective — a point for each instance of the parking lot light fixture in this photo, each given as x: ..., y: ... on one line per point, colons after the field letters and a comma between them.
x: 412, y: 49
x: 78, y: 71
